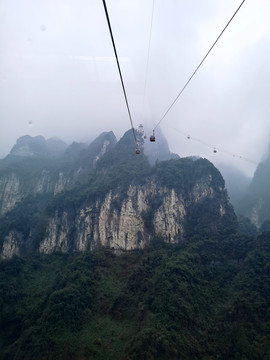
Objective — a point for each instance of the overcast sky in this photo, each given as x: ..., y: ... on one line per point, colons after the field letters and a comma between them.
x: 57, y: 70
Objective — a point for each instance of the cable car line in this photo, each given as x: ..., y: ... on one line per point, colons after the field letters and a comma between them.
x: 148, y: 56
x: 197, y: 68
x: 216, y: 149
x: 119, y: 69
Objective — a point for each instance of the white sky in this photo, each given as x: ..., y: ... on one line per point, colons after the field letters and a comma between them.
x: 57, y: 70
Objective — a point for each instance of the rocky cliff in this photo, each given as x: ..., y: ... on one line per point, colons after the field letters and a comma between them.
x: 114, y: 199
x: 36, y: 166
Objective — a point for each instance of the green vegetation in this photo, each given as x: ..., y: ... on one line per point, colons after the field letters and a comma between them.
x: 182, y: 174
x: 207, y: 299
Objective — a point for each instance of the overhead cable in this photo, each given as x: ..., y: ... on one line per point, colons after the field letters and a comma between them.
x: 189, y: 137
x: 197, y: 68
x: 119, y: 69
x: 148, y: 55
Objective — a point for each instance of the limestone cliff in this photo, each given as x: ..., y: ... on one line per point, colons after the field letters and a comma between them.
x: 32, y: 167
x: 14, y: 186
x: 10, y: 192
x: 123, y: 204
x: 128, y: 221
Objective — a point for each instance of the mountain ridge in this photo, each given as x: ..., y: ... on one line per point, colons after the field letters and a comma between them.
x: 106, y: 195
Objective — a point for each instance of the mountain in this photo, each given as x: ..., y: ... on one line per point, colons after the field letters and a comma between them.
x: 158, y: 150
x: 255, y: 204
x: 236, y: 183
x: 27, y: 146
x: 107, y: 255
x: 103, y: 143
x: 56, y: 146
x: 106, y: 195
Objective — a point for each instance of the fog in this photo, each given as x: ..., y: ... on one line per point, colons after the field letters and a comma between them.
x: 58, y: 75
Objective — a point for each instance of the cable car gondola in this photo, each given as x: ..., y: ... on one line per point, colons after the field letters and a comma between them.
x: 152, y: 137
x: 215, y: 150
x: 138, y: 151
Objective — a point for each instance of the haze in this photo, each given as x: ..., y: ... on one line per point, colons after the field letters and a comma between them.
x: 58, y: 75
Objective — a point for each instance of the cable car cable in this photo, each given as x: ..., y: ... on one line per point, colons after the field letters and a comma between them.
x: 119, y: 69
x: 189, y: 137
x: 197, y: 68
x: 148, y: 56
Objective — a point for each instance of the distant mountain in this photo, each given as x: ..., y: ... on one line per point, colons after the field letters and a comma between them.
x: 28, y: 146
x: 73, y: 151
x: 56, y: 146
x: 158, y: 150
x: 255, y: 204
x: 236, y: 183
x: 102, y: 144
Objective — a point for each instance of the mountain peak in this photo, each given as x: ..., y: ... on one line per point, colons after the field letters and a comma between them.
x: 28, y: 146
x: 158, y: 150
x: 38, y: 146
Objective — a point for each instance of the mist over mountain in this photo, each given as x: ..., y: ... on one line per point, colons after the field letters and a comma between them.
x: 104, y: 194
x: 27, y: 146
x: 109, y: 254
x: 236, y: 183
x: 158, y: 150
x: 114, y: 247
x: 255, y: 203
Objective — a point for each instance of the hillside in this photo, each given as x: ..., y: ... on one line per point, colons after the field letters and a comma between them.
x: 106, y: 195
x: 207, y: 299
x: 108, y: 255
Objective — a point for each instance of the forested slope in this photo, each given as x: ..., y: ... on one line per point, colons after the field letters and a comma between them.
x: 206, y: 299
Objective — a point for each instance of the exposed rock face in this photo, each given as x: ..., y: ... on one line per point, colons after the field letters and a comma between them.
x: 103, y: 143
x: 61, y: 183
x: 13, y: 189
x: 57, y: 235
x: 12, y: 245
x: 113, y: 209
x: 169, y: 219
x: 128, y: 225
x: 102, y: 151
x: 10, y: 192
x: 132, y: 224
x: 28, y: 146
x: 23, y: 177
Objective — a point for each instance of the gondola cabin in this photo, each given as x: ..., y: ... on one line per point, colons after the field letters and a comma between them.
x: 152, y: 137
x: 215, y: 150
x: 138, y: 151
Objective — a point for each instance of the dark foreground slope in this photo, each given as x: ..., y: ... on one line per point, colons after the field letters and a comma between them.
x: 208, y: 299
